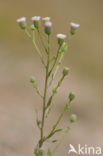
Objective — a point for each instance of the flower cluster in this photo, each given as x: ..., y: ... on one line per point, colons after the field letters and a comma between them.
x: 48, y: 26
x: 51, y: 66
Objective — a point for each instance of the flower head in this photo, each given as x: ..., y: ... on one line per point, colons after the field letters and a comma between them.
x: 48, y: 28
x: 74, y: 27
x: 22, y: 22
x: 46, y: 19
x: 65, y: 71
x: 61, y: 38
x: 73, y: 118
x: 36, y: 21
x: 71, y: 96
x: 22, y: 19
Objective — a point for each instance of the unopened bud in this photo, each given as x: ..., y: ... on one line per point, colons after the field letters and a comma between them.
x: 32, y: 79
x: 73, y: 28
x: 73, y: 118
x: 36, y: 21
x: 61, y: 38
x: 71, y: 96
x: 32, y: 27
x: 65, y: 71
x: 22, y: 22
x: 48, y: 28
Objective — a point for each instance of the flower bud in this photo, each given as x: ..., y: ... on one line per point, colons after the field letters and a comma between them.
x: 32, y: 79
x: 36, y: 21
x: 22, y: 22
x: 32, y: 27
x: 61, y: 38
x: 71, y: 96
x: 65, y: 71
x: 73, y: 118
x: 48, y: 28
x: 73, y: 28
x: 46, y: 19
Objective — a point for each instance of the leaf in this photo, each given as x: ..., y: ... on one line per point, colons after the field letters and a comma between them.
x: 49, y: 102
x: 57, y: 130
x: 53, y: 141
x: 38, y: 122
x: 51, y: 134
x: 47, y: 111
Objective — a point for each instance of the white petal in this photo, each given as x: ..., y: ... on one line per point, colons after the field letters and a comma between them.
x: 61, y: 36
x: 75, y: 25
x: 36, y: 18
x: 22, y: 19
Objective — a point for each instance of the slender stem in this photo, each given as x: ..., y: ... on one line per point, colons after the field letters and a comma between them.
x: 55, y: 60
x: 59, y: 119
x: 33, y: 40
x: 58, y: 85
x: 57, y: 68
x: 42, y: 41
x: 45, y: 93
x: 37, y: 90
x: 60, y: 60
x: 36, y: 47
x: 28, y: 34
x: 61, y: 140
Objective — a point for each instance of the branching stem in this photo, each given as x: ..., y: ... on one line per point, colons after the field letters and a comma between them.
x: 45, y: 93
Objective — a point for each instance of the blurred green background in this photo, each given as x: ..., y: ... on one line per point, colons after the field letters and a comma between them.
x: 18, y: 61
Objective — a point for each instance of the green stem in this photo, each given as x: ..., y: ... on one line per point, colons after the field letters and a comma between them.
x: 28, y: 34
x: 61, y: 140
x: 58, y: 120
x: 42, y: 41
x: 36, y: 47
x: 55, y: 60
x: 60, y: 60
x: 57, y: 68
x: 45, y: 93
x: 37, y: 90
x: 58, y: 85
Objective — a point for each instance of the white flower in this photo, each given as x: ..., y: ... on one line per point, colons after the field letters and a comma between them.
x: 36, y: 18
x: 22, y: 19
x: 61, y: 36
x: 74, y: 25
x: 48, y: 24
x: 46, y: 19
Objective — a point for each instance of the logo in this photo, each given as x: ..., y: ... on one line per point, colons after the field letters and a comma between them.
x: 85, y: 150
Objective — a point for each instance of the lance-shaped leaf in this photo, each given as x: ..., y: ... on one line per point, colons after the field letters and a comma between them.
x: 53, y: 132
